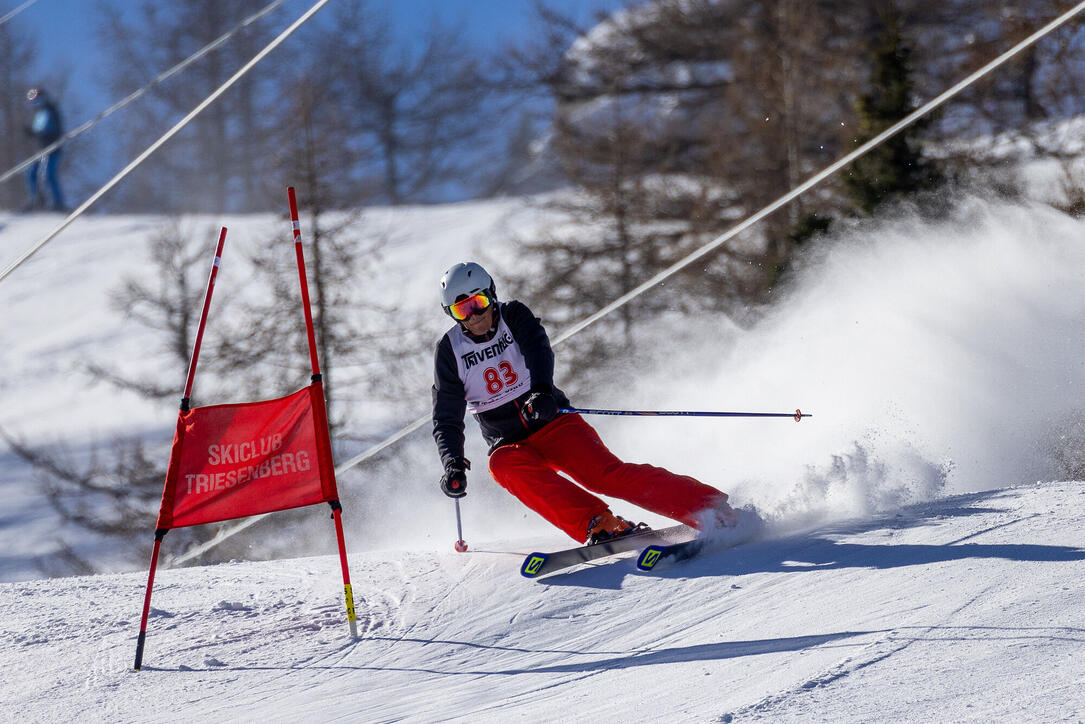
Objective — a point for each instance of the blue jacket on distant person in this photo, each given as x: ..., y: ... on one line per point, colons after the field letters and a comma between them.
x: 46, y: 127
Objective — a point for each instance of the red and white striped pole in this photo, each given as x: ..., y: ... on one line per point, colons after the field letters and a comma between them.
x: 304, y: 283
x: 319, y: 408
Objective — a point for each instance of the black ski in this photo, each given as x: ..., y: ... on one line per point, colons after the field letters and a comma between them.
x: 541, y: 564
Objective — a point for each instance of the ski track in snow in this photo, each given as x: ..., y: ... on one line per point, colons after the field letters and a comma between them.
x: 965, y: 609
x: 895, y: 642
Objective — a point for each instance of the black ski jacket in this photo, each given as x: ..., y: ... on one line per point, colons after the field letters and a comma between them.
x: 501, y: 425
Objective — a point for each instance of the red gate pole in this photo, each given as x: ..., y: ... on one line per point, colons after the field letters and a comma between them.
x: 160, y: 533
x: 158, y: 536
x: 203, y: 320
x: 321, y: 413
x: 304, y: 284
x: 348, y: 594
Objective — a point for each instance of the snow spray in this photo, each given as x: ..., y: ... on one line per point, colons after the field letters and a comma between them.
x: 937, y: 356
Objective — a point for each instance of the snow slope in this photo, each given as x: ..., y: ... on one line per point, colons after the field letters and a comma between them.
x: 936, y: 357
x: 965, y: 609
x: 939, y: 359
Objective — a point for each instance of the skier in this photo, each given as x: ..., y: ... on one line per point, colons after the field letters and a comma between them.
x: 497, y: 362
x: 45, y: 126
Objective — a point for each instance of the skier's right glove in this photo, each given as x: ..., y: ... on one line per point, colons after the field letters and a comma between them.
x: 540, y: 407
x: 454, y: 481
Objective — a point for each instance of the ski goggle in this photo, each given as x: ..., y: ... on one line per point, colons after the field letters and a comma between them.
x: 464, y: 308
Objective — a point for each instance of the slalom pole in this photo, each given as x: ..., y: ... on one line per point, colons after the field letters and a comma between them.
x: 304, y: 284
x: 160, y: 533
x: 797, y: 415
x: 461, y: 544
x: 348, y: 593
x: 158, y: 536
x: 186, y: 398
x: 319, y: 410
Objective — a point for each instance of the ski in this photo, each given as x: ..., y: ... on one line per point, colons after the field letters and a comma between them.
x: 541, y: 564
x: 654, y: 554
x: 748, y: 527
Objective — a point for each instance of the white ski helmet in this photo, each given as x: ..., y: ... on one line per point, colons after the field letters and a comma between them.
x: 464, y: 280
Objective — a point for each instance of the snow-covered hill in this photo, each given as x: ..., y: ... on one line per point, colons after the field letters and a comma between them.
x: 938, y: 358
x: 965, y: 609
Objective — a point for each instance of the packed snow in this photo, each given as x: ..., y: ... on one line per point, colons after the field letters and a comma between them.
x: 965, y: 609
x: 921, y: 558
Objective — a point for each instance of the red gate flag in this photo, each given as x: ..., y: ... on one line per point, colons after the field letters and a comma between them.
x: 233, y: 461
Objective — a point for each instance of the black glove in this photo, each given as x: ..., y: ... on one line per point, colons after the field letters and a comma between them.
x: 454, y: 481
x: 540, y: 407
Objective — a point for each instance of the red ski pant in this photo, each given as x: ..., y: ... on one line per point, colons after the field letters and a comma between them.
x: 529, y: 470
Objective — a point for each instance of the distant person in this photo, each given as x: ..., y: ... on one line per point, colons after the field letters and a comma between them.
x: 496, y: 362
x: 46, y: 127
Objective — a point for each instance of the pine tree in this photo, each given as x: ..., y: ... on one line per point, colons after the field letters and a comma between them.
x: 897, y: 168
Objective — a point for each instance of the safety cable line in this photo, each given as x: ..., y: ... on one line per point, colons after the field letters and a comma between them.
x: 165, y: 137
x: 16, y: 11
x: 911, y: 118
x: 213, y: 45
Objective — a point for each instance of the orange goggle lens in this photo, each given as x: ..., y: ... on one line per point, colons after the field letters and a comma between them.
x: 463, y: 309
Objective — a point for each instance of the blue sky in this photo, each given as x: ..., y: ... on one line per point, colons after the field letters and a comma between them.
x: 64, y: 31
x: 69, y: 62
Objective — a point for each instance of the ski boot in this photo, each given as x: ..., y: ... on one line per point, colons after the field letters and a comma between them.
x: 607, y: 526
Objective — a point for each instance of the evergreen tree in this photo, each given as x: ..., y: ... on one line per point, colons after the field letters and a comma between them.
x: 897, y: 168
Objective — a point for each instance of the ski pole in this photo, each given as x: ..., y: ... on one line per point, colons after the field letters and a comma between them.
x: 797, y: 415
x: 461, y: 544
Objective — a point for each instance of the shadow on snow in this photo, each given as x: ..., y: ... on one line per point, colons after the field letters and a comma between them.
x: 817, y: 551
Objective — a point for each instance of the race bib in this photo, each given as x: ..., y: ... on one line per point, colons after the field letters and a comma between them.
x: 492, y: 372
